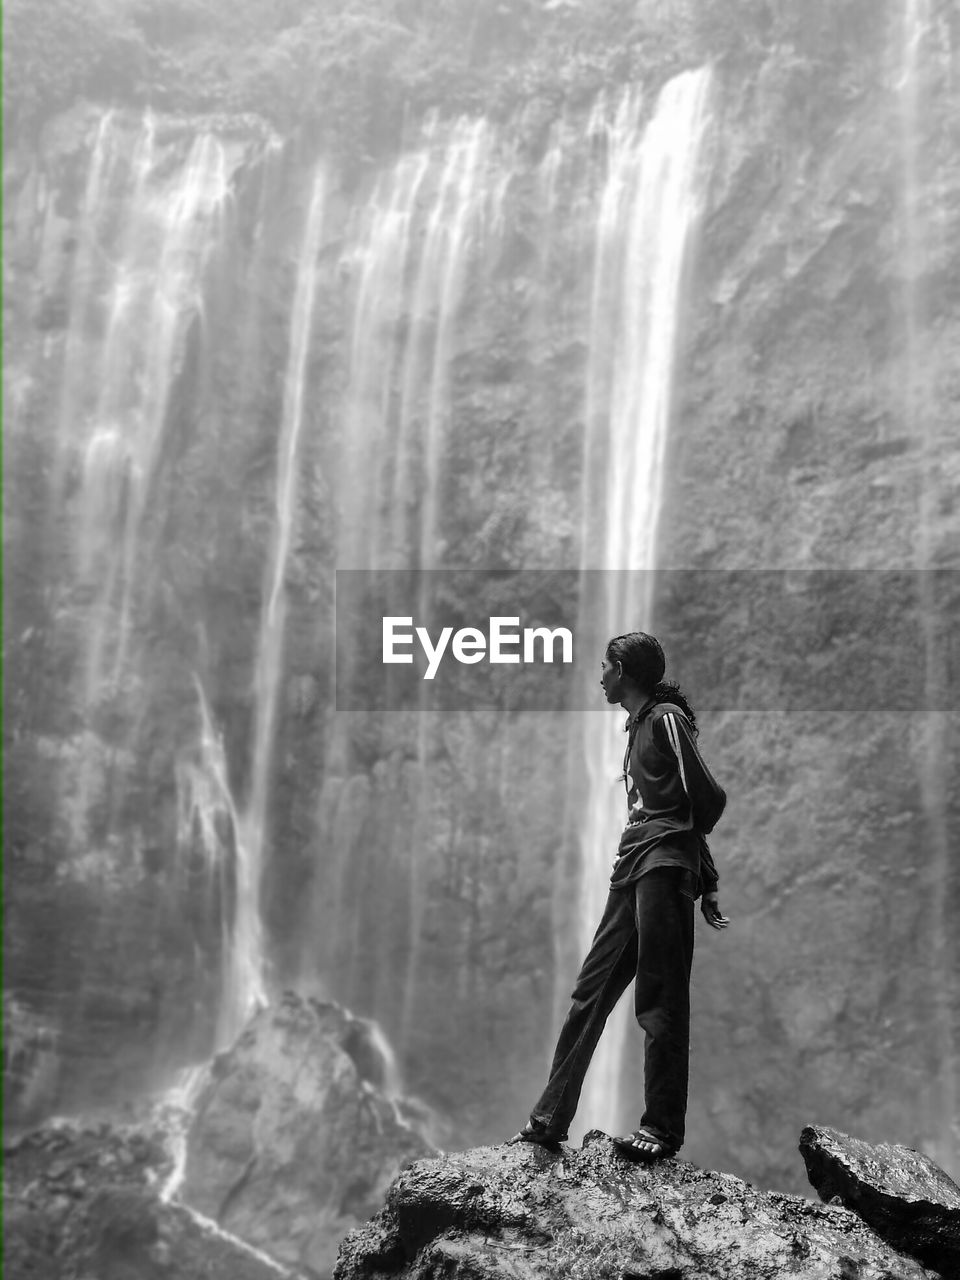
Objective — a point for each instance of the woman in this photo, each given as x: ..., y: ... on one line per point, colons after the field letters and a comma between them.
x: 663, y: 864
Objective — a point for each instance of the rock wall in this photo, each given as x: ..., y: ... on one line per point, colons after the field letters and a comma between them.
x: 425, y: 870
x: 800, y: 447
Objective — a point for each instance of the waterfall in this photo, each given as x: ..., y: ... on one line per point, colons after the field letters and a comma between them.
x: 146, y: 239
x: 210, y: 831
x: 437, y: 295
x: 380, y: 262
x: 156, y: 294
x: 410, y: 258
x: 921, y: 40
x: 154, y: 213
x: 429, y: 238
x: 230, y: 376
x: 254, y: 824
x: 648, y: 205
x: 81, y: 296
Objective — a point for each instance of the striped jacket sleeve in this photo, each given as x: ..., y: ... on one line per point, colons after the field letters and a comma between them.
x: 673, y: 734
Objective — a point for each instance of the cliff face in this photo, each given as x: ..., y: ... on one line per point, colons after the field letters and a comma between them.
x: 179, y: 456
x: 815, y: 432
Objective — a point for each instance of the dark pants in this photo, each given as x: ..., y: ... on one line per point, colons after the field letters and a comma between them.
x: 646, y: 932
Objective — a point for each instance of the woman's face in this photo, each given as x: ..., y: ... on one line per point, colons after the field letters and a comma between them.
x: 611, y: 679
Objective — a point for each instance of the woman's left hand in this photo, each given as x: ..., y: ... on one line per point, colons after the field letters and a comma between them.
x: 710, y: 906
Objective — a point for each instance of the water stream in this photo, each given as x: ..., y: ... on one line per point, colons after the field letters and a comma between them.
x: 148, y: 234
x: 170, y: 232
x: 211, y: 832
x: 254, y: 821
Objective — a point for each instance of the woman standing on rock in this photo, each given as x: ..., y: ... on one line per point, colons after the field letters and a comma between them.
x: 646, y: 932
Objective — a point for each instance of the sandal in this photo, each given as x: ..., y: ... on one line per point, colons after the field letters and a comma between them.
x: 540, y: 1134
x: 628, y: 1146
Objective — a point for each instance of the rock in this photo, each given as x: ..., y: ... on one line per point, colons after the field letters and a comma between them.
x: 113, y: 1224
x: 292, y: 1144
x: 900, y: 1193
x: 521, y: 1213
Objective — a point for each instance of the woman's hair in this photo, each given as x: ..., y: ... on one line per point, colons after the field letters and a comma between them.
x: 642, y: 661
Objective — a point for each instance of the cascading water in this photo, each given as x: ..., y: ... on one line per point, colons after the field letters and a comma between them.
x: 254, y: 818
x: 432, y: 233
x: 231, y: 843
x: 211, y: 833
x: 170, y: 231
x: 429, y: 238
x: 133, y: 297
x: 381, y: 264
x: 463, y: 185
x: 81, y: 295
x: 923, y: 43
x: 648, y: 205
x: 156, y: 218
x: 414, y: 247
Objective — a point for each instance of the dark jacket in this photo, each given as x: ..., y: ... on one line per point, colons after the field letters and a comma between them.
x: 673, y: 800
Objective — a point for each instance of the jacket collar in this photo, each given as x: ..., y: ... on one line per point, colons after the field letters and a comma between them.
x: 640, y: 712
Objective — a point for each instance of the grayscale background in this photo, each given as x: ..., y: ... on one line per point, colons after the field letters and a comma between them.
x: 541, y: 288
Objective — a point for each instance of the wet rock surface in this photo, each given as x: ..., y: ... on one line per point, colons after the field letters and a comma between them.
x: 84, y: 1201
x: 586, y: 1214
x: 294, y: 1140
x: 899, y: 1192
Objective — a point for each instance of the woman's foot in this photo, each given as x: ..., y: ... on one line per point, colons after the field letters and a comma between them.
x: 644, y: 1146
x: 539, y: 1134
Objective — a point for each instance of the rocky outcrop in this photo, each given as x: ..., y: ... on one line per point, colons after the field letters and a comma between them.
x: 294, y: 1140
x: 900, y: 1193
x: 84, y: 1201
x: 527, y: 1214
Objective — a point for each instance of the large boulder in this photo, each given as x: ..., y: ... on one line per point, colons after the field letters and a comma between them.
x: 899, y: 1192
x: 522, y: 1213
x: 294, y: 1139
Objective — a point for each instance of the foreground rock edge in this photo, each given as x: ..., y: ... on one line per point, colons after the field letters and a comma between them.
x: 527, y: 1214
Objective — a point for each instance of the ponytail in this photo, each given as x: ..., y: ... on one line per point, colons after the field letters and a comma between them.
x: 670, y: 691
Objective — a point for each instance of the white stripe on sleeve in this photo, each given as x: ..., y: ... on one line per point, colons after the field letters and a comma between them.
x: 674, y: 737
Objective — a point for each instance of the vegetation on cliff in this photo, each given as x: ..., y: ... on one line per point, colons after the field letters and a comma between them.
x: 350, y: 71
